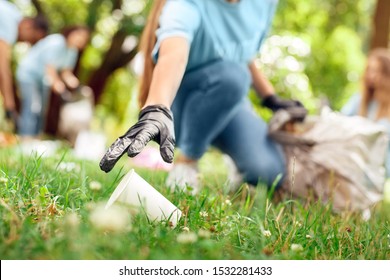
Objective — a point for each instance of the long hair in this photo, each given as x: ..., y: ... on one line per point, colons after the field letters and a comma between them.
x: 382, y: 55
x: 148, y: 40
x: 66, y: 31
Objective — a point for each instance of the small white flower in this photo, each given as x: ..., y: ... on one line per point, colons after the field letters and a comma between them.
x: 188, y: 237
x: 72, y: 220
x: 186, y: 229
x: 203, y: 214
x: 388, y: 236
x: 308, y: 236
x: 202, y: 233
x: 267, y: 233
x: 68, y: 166
x: 3, y: 180
x: 95, y: 185
x: 114, y: 218
x: 90, y: 205
x: 298, y: 224
x: 296, y: 247
x: 228, y: 202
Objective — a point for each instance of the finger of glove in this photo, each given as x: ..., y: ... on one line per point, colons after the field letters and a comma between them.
x: 298, y: 103
x: 167, y: 148
x: 140, y: 141
x: 114, y: 153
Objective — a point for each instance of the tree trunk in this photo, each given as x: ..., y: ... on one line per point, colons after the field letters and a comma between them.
x: 381, y: 28
x: 53, y: 115
x: 38, y: 7
x: 114, y: 59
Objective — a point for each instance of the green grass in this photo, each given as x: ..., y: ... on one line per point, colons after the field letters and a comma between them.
x: 45, y: 213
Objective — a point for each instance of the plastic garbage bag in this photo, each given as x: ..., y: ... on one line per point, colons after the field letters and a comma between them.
x: 333, y: 157
x: 76, y: 113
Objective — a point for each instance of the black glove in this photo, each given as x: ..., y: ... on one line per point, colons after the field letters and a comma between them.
x: 294, y: 107
x: 12, y: 116
x: 155, y: 123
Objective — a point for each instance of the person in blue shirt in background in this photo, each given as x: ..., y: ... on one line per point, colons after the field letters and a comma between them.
x: 374, y: 100
x: 15, y: 28
x: 47, y: 66
x: 199, y: 63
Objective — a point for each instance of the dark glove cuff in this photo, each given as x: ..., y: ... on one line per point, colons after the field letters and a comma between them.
x: 9, y: 114
x: 270, y: 101
x: 156, y: 108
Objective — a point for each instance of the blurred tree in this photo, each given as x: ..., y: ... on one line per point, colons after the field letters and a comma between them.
x: 381, y: 25
x: 317, y: 47
x: 337, y: 33
x: 116, y: 21
x: 116, y: 26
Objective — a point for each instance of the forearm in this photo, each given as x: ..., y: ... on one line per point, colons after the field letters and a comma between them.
x: 260, y: 83
x: 54, y: 80
x: 52, y: 75
x: 70, y: 79
x: 6, y: 78
x: 168, y: 72
x: 6, y: 88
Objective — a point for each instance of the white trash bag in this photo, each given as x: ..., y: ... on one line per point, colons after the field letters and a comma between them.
x: 333, y: 157
x: 76, y: 113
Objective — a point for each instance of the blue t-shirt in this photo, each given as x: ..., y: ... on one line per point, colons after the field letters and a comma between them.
x: 351, y: 108
x: 51, y: 50
x: 216, y: 29
x: 9, y: 22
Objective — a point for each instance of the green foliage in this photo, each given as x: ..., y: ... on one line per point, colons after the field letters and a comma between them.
x: 317, y: 48
x: 337, y: 35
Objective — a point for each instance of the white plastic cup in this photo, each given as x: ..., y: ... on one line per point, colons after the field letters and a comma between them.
x: 135, y: 191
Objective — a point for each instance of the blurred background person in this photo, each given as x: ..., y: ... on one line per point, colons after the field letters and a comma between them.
x: 14, y: 28
x: 374, y: 100
x: 47, y: 66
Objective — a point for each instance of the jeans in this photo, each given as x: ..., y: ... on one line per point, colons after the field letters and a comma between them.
x: 212, y: 108
x: 35, y: 97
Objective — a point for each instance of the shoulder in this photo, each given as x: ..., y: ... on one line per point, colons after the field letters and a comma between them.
x: 53, y: 40
x: 57, y: 38
x: 184, y: 4
x: 51, y: 44
x: 352, y: 106
x: 9, y: 7
x: 267, y: 6
x: 183, y: 8
x: 180, y: 14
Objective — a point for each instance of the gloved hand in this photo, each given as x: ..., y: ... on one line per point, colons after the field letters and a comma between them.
x: 294, y: 107
x: 155, y: 123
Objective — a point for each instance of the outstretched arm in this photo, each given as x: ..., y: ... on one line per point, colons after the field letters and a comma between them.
x: 260, y: 83
x: 69, y: 78
x: 169, y: 71
x: 155, y: 119
x: 55, y: 81
x: 266, y: 92
x: 6, y: 76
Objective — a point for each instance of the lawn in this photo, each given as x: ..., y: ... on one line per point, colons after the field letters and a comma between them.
x: 51, y: 208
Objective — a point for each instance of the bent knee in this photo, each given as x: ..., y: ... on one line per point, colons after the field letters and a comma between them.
x: 233, y: 78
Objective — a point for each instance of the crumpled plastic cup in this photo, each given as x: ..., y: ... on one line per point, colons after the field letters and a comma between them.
x: 134, y: 191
